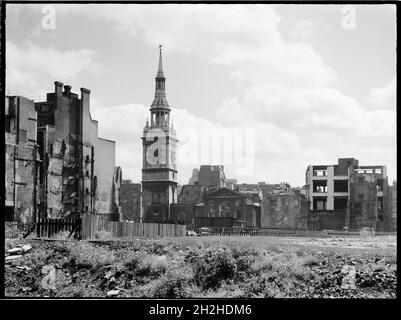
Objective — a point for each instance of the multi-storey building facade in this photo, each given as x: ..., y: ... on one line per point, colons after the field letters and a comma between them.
x: 159, y: 173
x: 347, y: 195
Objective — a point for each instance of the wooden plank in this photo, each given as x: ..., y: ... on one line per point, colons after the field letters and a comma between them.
x: 38, y: 228
x: 84, y: 228
x: 154, y: 231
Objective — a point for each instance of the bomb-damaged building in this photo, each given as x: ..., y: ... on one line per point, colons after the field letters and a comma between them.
x: 56, y: 165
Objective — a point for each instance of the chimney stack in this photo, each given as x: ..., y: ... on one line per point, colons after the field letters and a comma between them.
x: 67, y: 90
x: 58, y: 88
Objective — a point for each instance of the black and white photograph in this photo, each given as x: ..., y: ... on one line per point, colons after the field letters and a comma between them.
x: 199, y: 150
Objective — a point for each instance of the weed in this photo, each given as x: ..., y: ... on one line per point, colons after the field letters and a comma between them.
x: 213, y: 266
x: 85, y: 254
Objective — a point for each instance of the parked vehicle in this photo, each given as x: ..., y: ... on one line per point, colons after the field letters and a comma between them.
x: 191, y: 233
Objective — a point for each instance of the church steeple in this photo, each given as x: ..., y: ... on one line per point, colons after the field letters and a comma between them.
x: 159, y: 171
x: 160, y: 109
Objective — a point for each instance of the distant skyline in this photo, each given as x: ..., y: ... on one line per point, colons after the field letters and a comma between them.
x: 309, y: 83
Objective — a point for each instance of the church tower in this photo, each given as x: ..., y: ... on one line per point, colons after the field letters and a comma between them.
x: 159, y: 173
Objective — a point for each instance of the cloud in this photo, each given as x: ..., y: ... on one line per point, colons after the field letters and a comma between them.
x: 383, y: 98
x: 29, y: 66
x: 301, y: 29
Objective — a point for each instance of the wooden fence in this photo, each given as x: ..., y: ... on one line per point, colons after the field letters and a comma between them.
x: 50, y: 227
x: 279, y: 232
x: 91, y: 224
x: 221, y: 231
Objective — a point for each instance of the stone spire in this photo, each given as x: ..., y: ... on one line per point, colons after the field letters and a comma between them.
x: 160, y: 73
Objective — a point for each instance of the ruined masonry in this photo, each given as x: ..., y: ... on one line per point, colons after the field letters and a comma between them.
x: 57, y: 166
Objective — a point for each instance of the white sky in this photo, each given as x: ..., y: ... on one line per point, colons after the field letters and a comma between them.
x: 307, y: 89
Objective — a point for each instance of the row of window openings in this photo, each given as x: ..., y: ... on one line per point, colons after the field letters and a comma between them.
x: 320, y: 186
x: 323, y: 173
x: 377, y: 170
x: 341, y: 203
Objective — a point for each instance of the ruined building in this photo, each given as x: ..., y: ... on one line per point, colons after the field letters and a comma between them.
x: 282, y: 207
x: 211, y: 177
x: 130, y: 200
x: 159, y: 173
x: 78, y: 171
x: 347, y: 195
x: 195, y: 177
x: 22, y: 160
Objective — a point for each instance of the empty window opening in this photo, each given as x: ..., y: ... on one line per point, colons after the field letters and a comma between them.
x: 340, y: 203
x: 320, y: 186
x: 361, y: 196
x: 319, y: 203
x: 340, y: 185
x: 378, y: 170
x: 319, y: 171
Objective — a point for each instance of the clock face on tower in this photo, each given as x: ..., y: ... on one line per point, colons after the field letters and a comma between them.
x: 155, y: 148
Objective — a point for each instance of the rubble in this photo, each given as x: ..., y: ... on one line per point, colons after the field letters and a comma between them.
x: 11, y: 258
x: 348, y: 281
x: 26, y: 247
x: 14, y: 250
x: 49, y: 280
x: 113, y: 293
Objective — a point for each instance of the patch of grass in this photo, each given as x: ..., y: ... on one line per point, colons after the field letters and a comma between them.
x: 85, y: 254
x: 147, y: 265
x: 310, y: 261
x: 212, y: 266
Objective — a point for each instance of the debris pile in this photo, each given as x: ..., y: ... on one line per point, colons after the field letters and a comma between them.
x: 17, y: 252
